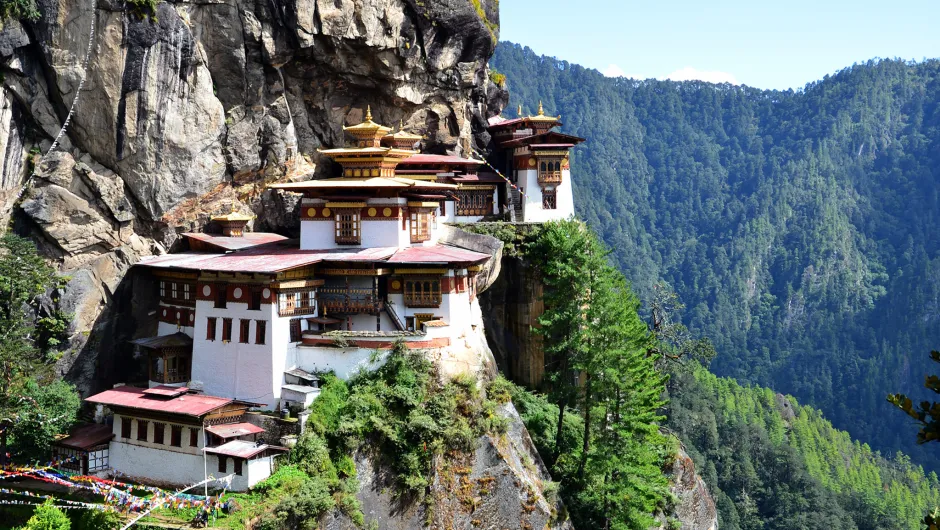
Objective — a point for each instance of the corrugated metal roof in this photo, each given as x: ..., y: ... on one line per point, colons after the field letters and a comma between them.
x: 248, y: 240
x: 439, y: 159
x: 303, y: 374
x: 271, y: 260
x: 437, y: 254
x: 165, y: 341
x: 166, y: 391
x: 543, y: 138
x: 264, y: 260
x: 188, y: 404
x: 85, y: 437
x: 366, y: 183
x: 302, y: 389
x: 234, y: 430
x: 243, y: 449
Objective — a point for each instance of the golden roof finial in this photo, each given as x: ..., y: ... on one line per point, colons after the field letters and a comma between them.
x: 401, y: 124
x: 368, y: 113
x: 541, y: 110
x: 519, y: 110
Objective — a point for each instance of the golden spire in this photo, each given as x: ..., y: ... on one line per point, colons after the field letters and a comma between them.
x: 541, y: 110
x: 368, y: 113
x: 519, y: 110
x: 401, y: 124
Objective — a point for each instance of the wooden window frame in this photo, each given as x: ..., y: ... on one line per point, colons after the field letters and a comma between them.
x: 223, y: 464
x: 550, y: 199
x: 261, y: 328
x: 211, y: 328
x: 296, y: 330
x: 142, y: 426
x: 176, y: 436
x: 244, y: 329
x: 422, y: 291
x: 226, y: 330
x: 420, y: 225
x: 347, y: 224
x: 221, y: 296
x: 125, y: 427
x: 237, y: 462
x: 193, y: 437
x: 254, y: 302
x: 158, y: 433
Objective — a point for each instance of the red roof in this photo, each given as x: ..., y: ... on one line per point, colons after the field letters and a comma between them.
x: 166, y: 391
x: 86, y: 437
x: 271, y: 260
x: 485, y: 178
x: 438, y: 159
x: 242, y: 449
x: 549, y: 137
x: 264, y: 259
x: 234, y: 430
x: 437, y: 254
x: 188, y: 404
x: 250, y: 239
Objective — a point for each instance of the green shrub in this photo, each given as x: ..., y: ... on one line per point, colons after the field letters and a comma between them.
x: 48, y: 517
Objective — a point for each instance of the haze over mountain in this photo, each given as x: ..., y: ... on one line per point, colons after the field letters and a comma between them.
x: 799, y: 227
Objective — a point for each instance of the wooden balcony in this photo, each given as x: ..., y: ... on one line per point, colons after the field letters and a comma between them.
x: 350, y: 301
x: 549, y: 177
x: 423, y: 299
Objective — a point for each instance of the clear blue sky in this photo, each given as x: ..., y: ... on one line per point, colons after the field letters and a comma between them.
x: 754, y: 42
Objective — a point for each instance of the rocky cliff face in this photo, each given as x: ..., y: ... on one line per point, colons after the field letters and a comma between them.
x: 194, y: 106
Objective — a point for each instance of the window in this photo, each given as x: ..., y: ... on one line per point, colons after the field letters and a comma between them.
x: 176, y: 436
x: 158, y: 433
x: 260, y: 326
x: 410, y: 323
x: 210, y: 328
x: 297, y: 302
x: 295, y: 332
x: 424, y: 292
x: 420, y: 226
x: 98, y: 459
x: 222, y: 467
x: 548, y: 199
x: 221, y: 296
x: 226, y: 330
x: 125, y: 427
x: 475, y: 202
x: 348, y: 227
x: 162, y: 289
x: 243, y: 327
x: 255, y: 303
x: 238, y: 466
x: 142, y: 430
x: 421, y: 318
x: 193, y: 437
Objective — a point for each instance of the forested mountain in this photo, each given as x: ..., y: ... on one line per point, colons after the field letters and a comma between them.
x: 774, y: 464
x: 799, y: 227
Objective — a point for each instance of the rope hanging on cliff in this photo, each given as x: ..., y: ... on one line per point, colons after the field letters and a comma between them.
x: 78, y: 93
x: 483, y: 159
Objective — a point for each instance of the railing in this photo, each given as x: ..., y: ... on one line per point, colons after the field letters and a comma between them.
x: 549, y: 177
x: 423, y: 299
x: 399, y: 325
x: 341, y: 300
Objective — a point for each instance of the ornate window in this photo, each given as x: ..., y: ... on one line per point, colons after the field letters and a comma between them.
x: 422, y: 292
x: 193, y: 437
x: 420, y: 226
x: 549, y: 201
x: 142, y: 430
x: 176, y: 436
x: 297, y: 302
x: 177, y: 292
x: 474, y: 202
x: 348, y: 227
x: 255, y: 302
x: 125, y: 427
x: 221, y: 296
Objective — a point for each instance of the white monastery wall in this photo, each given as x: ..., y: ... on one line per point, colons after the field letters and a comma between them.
x: 236, y: 370
x: 156, y: 464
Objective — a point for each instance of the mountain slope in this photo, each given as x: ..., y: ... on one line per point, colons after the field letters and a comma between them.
x: 799, y: 227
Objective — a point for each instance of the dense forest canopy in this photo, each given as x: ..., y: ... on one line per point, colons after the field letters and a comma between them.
x: 799, y: 227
